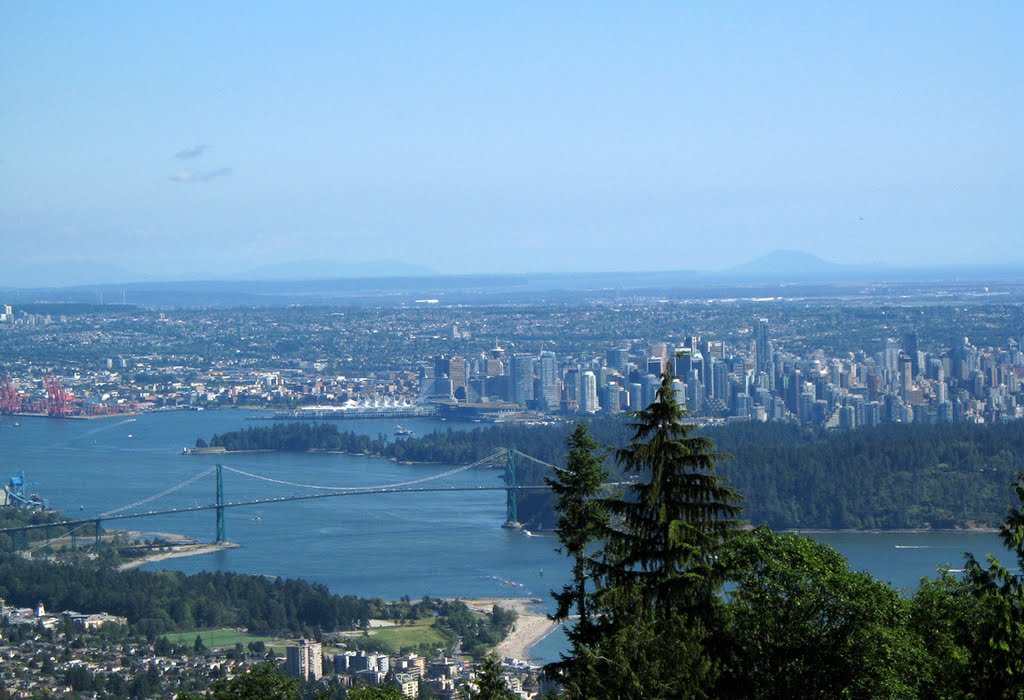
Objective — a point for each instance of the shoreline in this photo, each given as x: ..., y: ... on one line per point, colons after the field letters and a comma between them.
x: 178, y: 551
x: 127, y: 414
x: 530, y: 628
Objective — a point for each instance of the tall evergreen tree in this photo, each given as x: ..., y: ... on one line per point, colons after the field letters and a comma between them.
x: 673, y: 522
x: 659, y: 574
x: 582, y: 519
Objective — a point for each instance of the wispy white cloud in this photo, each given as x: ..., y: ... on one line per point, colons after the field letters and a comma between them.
x: 192, y: 152
x: 188, y: 176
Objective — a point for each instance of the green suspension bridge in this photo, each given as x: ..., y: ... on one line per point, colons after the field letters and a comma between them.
x: 505, y: 457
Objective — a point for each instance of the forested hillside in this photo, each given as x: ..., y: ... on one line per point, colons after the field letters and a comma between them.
x: 159, y: 602
x: 894, y: 476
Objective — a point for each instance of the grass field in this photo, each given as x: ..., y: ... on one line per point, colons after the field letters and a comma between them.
x: 222, y: 638
x: 420, y: 632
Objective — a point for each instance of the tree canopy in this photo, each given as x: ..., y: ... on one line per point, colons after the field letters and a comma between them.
x: 683, y: 605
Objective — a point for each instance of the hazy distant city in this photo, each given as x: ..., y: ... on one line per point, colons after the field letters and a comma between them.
x: 840, y: 356
x: 826, y: 355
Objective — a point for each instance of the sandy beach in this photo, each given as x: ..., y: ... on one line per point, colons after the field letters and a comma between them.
x: 530, y: 628
x: 176, y: 551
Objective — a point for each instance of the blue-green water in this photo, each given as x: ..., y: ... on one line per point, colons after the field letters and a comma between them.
x: 437, y: 544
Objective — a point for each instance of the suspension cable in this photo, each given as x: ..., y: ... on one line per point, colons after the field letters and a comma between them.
x: 538, y: 461
x: 317, y: 487
x: 47, y: 541
x: 163, y: 493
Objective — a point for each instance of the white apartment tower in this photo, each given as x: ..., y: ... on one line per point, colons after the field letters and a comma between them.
x: 305, y: 661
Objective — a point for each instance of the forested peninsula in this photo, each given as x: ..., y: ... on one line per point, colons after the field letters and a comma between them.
x: 159, y: 602
x: 891, y: 477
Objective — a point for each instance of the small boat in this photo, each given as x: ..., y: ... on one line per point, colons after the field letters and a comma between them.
x: 405, y: 432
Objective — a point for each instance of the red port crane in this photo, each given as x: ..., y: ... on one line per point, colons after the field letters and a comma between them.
x: 58, y: 402
x: 10, y: 399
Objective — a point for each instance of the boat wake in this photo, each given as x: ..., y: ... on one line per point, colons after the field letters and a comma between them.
x: 102, y: 428
x: 507, y: 583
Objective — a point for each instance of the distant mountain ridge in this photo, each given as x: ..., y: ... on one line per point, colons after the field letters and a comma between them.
x: 795, y: 265
x: 335, y: 269
x: 392, y: 281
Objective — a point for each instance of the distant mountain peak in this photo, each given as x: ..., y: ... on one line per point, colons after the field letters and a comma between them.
x: 788, y: 261
x: 784, y: 266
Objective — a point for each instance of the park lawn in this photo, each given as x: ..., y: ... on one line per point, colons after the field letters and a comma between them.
x: 419, y: 632
x: 222, y: 638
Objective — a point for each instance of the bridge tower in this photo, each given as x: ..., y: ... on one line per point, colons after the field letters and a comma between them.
x: 221, y: 537
x: 511, y: 497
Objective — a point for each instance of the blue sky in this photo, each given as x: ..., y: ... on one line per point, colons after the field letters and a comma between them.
x: 180, y: 140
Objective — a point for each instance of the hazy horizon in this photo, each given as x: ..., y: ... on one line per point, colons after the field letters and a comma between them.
x: 184, y: 141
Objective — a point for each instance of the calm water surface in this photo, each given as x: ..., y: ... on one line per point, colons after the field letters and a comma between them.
x: 449, y: 544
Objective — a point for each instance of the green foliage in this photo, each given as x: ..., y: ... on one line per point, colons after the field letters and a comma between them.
x: 163, y: 647
x: 582, y: 520
x: 947, y: 616
x: 893, y: 476
x: 801, y: 624
x: 420, y: 635
x: 298, y: 437
x: 657, y: 575
x: 156, y: 603
x: 794, y: 621
x: 383, y: 692
x: 264, y: 682
x: 17, y: 517
x: 671, y: 525
x: 998, y: 667
x: 647, y: 654
x: 685, y: 607
x: 488, y: 683
x: 478, y: 632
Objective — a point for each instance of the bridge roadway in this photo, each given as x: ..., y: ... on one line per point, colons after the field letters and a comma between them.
x: 278, y: 499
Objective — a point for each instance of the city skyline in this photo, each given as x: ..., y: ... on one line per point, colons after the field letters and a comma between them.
x: 186, y: 142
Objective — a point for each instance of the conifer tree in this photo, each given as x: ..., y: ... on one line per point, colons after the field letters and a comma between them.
x: 489, y: 685
x: 659, y: 574
x: 582, y: 519
x: 673, y: 522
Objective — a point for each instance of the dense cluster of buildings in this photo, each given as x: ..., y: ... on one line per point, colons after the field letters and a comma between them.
x: 38, y: 617
x: 77, y: 655
x: 557, y: 361
x: 757, y: 381
x: 443, y: 678
x: 44, y: 654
